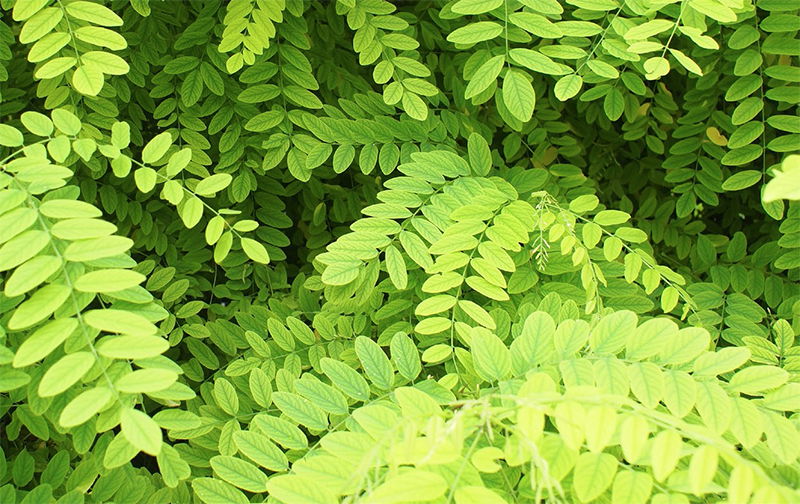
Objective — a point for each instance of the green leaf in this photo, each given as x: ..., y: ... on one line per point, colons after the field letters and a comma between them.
x: 656, y: 67
x: 568, y: 86
x: 475, y: 32
x: 255, y: 250
x: 65, y: 373
x: 395, y: 265
x: 97, y: 248
x: 141, y: 431
x: 239, y: 473
x: 786, y: 184
x: 480, y: 156
x: 68, y: 209
x: 10, y: 136
x: 108, y: 280
x: 610, y: 334
x: 171, y: 466
x: 87, y: 79
x: 214, y: 491
x: 39, y: 306
x: 300, y: 490
x: 301, y: 410
x: 146, y: 381
x: 484, y: 76
x: 756, y: 379
x: 492, y: 358
x: 37, y: 123
x: 213, y: 184
x: 43, y: 341
x: 405, y: 356
x: 84, y: 406
x: 614, y: 104
x: 156, y: 147
x: 345, y: 378
x: 341, y: 272
x: 471, y: 494
x: 409, y: 486
x: 102, y: 37
x: 226, y: 396
x: 93, y: 13
x: 191, y: 211
x: 611, y: 217
x: 260, y: 450
x: 132, y: 347
x: 375, y: 362
x: 742, y: 180
x: 594, y: 473
x: 518, y: 95
x: 474, y: 7
x: 31, y: 274
x: 666, y: 451
x: 322, y: 395
x: 702, y: 468
x: 119, y: 321
x: 414, y: 106
x: 631, y: 487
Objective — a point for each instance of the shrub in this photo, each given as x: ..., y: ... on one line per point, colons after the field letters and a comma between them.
x: 476, y: 251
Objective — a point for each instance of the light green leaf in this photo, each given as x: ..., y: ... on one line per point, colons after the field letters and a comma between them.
x: 87, y: 79
x: 97, y: 248
x: 10, y: 136
x: 471, y: 494
x: 475, y: 32
x: 31, y: 274
x: 119, y: 321
x: 239, y: 473
x: 84, y: 406
x: 484, y: 76
x: 226, y: 396
x: 345, y: 378
x: 414, y: 106
x: 132, y: 347
x: 301, y: 410
x: 299, y: 490
x: 396, y: 266
x: 213, y: 184
x: 94, y: 13
x: 492, y: 357
x: 65, y: 373
x: 141, y: 431
x: 146, y: 381
x: 156, y: 147
x: 39, y: 306
x: 742, y: 180
x: 594, y: 473
x: 475, y: 7
x: 409, y: 486
x: 108, y: 280
x: 260, y: 450
x: 518, y: 95
x: 43, y: 341
x: 405, y: 356
x: 214, y: 491
x: 568, y: 86
x: 375, y: 362
x: 755, y: 379
x: 255, y: 250
x: 666, y: 451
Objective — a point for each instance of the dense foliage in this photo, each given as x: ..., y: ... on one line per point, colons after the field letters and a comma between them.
x: 467, y: 251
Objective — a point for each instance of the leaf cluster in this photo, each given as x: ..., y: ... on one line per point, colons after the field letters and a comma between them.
x: 446, y: 251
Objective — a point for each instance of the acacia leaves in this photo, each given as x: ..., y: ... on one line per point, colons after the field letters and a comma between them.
x: 476, y: 251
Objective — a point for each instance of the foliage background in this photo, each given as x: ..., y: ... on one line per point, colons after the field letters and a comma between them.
x: 367, y: 251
